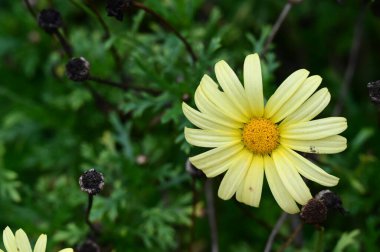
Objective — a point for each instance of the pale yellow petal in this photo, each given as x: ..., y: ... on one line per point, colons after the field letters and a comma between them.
x: 220, y: 99
x: 40, y: 244
x: 232, y: 87
x: 235, y: 175
x: 307, y: 88
x: 66, y: 250
x: 315, y: 129
x: 206, y: 106
x: 1, y: 250
x: 285, y: 91
x: 22, y: 241
x: 9, y: 240
x: 216, y: 157
x: 309, y: 109
x: 204, y: 121
x: 211, y: 138
x: 253, y: 182
x: 253, y: 84
x: 280, y: 193
x: 214, y: 171
x: 310, y: 170
x: 290, y: 177
x: 328, y: 145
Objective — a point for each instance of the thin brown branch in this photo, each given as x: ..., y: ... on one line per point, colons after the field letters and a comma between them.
x: 284, y: 13
x: 352, y: 62
x: 275, y: 230
x: 30, y: 8
x: 125, y: 87
x: 193, y: 212
x: 168, y: 26
x: 107, y: 35
x: 65, y: 45
x: 87, y: 215
x: 211, y: 215
x: 291, y: 237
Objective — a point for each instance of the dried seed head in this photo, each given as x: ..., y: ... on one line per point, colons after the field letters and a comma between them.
x: 91, y: 182
x: 88, y: 246
x: 194, y: 171
x: 78, y: 69
x: 49, y: 20
x: 314, y: 212
x: 116, y: 8
x: 374, y: 91
x: 331, y: 200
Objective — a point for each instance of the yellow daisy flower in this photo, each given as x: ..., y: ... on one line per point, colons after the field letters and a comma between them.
x: 250, y: 138
x: 20, y: 242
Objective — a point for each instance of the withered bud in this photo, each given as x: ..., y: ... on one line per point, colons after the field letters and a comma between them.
x: 314, y: 212
x: 116, y: 8
x: 194, y: 171
x: 91, y: 182
x: 331, y: 200
x: 49, y: 20
x: 374, y: 91
x: 88, y: 246
x: 78, y: 69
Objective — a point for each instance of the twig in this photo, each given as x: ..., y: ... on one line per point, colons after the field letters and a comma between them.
x: 65, y: 45
x: 211, y: 215
x: 274, y: 232
x: 88, y: 210
x: 107, y: 35
x: 320, y: 240
x: 193, y: 212
x: 352, y: 62
x: 284, y: 13
x: 30, y: 8
x: 124, y: 87
x: 291, y: 237
x: 107, y: 82
x: 168, y: 26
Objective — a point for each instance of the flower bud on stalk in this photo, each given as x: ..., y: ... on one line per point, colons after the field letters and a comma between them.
x: 78, y: 69
x: 49, y: 20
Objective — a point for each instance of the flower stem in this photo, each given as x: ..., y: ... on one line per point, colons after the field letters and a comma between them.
x: 107, y: 35
x: 211, y: 215
x: 88, y: 210
x: 291, y: 237
x: 275, y: 230
x: 168, y: 26
x: 320, y: 240
x: 284, y: 13
x: 30, y: 8
x: 65, y: 45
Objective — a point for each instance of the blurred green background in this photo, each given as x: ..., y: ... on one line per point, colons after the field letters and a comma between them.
x: 53, y: 129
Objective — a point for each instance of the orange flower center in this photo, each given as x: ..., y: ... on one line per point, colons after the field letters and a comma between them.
x: 260, y: 136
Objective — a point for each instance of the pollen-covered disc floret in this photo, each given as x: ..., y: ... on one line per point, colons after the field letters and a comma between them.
x: 260, y: 136
x: 252, y: 137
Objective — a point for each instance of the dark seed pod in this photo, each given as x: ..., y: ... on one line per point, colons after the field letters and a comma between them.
x: 314, y: 212
x: 88, y: 246
x: 49, y: 20
x: 116, y: 8
x: 374, y: 91
x: 78, y: 69
x: 91, y: 182
x: 331, y: 200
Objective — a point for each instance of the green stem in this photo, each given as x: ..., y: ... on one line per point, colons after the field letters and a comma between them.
x: 320, y: 237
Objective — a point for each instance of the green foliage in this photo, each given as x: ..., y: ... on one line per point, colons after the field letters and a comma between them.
x: 53, y: 129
